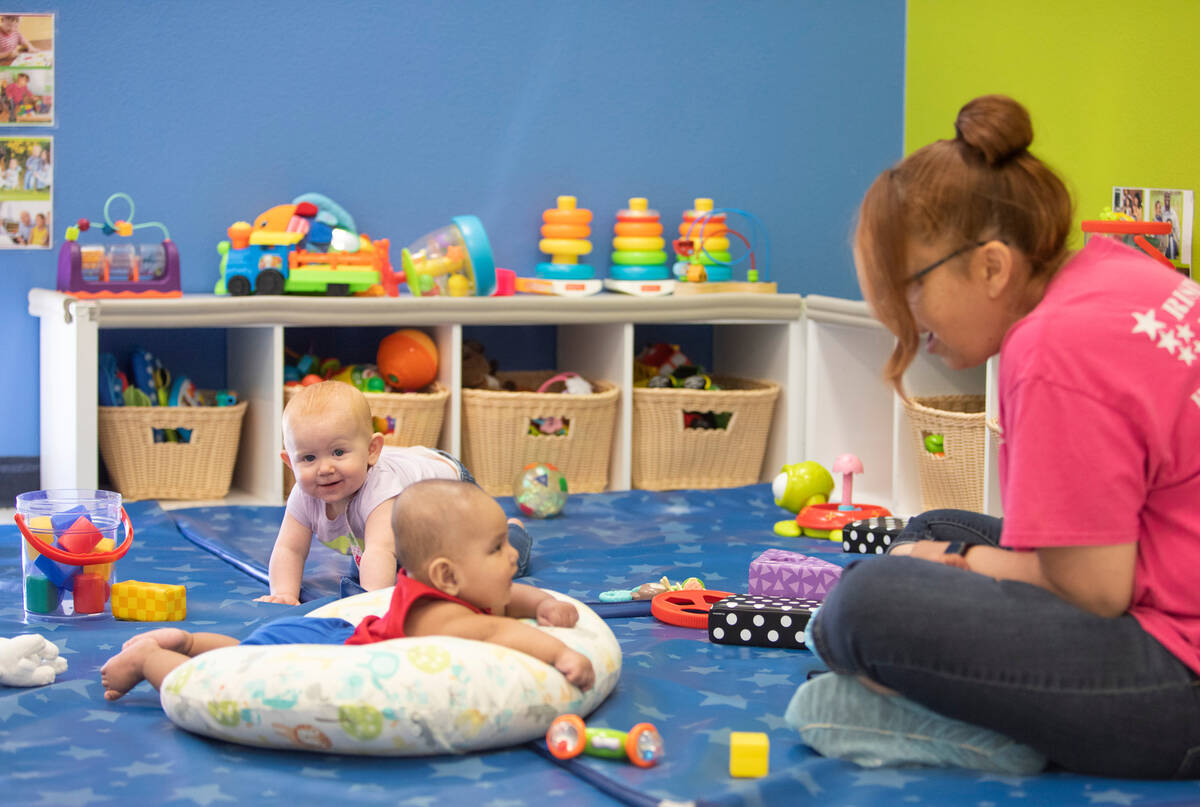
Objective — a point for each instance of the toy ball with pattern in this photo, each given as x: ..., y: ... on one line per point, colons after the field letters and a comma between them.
x: 540, y: 490
x: 407, y: 360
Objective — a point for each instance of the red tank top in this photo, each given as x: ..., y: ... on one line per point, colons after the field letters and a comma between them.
x: 391, y: 624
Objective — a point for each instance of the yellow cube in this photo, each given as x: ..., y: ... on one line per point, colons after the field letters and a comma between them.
x: 149, y: 602
x: 102, y: 569
x: 748, y: 753
x: 43, y: 529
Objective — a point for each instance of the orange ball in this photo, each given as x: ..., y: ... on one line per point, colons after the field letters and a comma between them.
x: 407, y: 360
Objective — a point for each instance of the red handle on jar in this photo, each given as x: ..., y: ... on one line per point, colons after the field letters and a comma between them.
x: 72, y: 559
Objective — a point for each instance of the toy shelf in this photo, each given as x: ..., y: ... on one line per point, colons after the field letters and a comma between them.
x: 754, y: 335
x: 826, y: 353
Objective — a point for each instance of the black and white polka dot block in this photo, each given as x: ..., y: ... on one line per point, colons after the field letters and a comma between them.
x: 871, y: 536
x: 752, y: 619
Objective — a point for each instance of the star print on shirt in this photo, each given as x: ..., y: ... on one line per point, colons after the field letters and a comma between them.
x: 1168, y: 342
x: 1147, y: 323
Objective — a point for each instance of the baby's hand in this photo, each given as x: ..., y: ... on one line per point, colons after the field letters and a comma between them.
x: 576, y: 667
x: 557, y: 613
x: 284, y: 599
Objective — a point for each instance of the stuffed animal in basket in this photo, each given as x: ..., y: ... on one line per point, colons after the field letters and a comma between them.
x: 478, y: 371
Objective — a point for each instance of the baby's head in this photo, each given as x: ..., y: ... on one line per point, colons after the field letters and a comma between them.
x: 328, y: 440
x: 453, y: 536
x: 9, y: 22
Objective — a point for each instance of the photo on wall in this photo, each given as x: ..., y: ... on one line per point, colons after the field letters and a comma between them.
x: 26, y: 192
x: 1172, y: 205
x: 26, y: 69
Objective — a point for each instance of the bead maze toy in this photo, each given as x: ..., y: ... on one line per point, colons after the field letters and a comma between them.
x: 310, y: 246
x: 454, y: 260
x: 565, y: 231
x: 703, y: 259
x: 118, y: 269
x: 639, y: 260
x: 568, y: 737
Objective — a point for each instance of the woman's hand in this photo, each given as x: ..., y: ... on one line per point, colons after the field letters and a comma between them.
x: 932, y: 551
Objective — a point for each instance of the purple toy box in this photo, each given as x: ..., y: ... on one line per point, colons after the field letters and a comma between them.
x: 779, y: 573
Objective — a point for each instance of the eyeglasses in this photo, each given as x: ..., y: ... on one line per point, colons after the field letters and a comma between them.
x: 922, y: 272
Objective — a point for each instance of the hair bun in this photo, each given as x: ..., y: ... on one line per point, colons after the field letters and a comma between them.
x: 996, y: 126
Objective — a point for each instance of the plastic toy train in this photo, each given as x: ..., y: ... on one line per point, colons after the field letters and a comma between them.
x: 265, y: 262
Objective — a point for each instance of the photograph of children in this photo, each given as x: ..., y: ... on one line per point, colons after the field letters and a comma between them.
x: 26, y: 69
x: 1174, y: 207
x: 1129, y: 202
x: 26, y: 192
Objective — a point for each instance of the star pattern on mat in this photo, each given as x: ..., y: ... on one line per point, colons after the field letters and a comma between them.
x: 70, y: 798
x: 202, y: 795
x: 139, y: 768
x: 1111, y: 796
x: 884, y: 777
x: 473, y: 768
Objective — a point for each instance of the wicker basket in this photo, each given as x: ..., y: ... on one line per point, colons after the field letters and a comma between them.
x: 666, y: 456
x: 954, y: 478
x: 497, y: 442
x: 143, y: 469
x: 403, y: 418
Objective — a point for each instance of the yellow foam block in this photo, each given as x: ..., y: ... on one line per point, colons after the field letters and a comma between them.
x: 748, y: 753
x: 149, y: 602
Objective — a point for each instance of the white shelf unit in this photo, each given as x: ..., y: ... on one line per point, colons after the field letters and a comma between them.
x: 754, y: 335
x: 851, y: 409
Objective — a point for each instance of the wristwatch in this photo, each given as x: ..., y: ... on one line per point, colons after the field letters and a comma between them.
x: 958, y: 548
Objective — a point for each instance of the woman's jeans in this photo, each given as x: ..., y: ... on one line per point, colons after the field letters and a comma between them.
x: 1095, y: 695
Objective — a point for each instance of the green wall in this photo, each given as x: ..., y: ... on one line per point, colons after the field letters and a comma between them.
x: 1113, y: 87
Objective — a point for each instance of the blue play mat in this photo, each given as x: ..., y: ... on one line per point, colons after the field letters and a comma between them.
x: 68, y: 746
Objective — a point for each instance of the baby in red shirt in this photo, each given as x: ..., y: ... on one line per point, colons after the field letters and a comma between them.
x: 453, y: 538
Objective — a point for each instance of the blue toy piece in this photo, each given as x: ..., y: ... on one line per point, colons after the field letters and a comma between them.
x: 639, y: 273
x: 329, y: 212
x: 565, y: 271
x: 111, y: 388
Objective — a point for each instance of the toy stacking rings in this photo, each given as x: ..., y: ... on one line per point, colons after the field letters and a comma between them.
x: 629, y: 243
x: 566, y: 231
x: 688, y: 608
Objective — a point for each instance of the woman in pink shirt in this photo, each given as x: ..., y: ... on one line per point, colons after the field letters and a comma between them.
x: 1069, y: 631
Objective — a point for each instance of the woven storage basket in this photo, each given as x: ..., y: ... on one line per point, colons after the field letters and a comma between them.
x: 497, y: 443
x: 954, y: 479
x: 143, y: 469
x: 403, y: 418
x: 666, y: 456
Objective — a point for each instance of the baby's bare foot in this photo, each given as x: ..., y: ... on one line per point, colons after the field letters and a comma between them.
x: 166, y: 638
x: 124, y: 671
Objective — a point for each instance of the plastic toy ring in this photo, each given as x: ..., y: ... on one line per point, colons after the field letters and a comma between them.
x: 564, y: 246
x: 639, y: 258
x: 554, y: 378
x: 629, y: 242
x: 566, y: 231
x: 637, y: 215
x: 688, y: 608
x: 556, y: 215
x: 638, y: 229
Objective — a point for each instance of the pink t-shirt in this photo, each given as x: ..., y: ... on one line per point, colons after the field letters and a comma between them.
x: 1099, y: 402
x: 396, y: 469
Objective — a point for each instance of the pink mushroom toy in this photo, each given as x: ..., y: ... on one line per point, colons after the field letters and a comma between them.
x: 847, y: 465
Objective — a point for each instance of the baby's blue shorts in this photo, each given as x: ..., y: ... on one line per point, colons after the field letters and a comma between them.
x: 302, y: 630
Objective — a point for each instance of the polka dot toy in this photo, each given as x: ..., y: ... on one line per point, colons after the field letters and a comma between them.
x: 751, y: 619
x: 872, y: 536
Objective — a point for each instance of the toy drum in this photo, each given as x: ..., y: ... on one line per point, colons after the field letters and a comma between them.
x: 69, y: 552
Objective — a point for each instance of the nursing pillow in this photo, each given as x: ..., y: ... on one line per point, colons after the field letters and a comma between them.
x: 402, y: 697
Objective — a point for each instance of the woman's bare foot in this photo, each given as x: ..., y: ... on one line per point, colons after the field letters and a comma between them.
x: 125, y: 670
x: 166, y: 638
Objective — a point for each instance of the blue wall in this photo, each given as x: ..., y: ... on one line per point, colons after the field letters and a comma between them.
x: 409, y: 113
